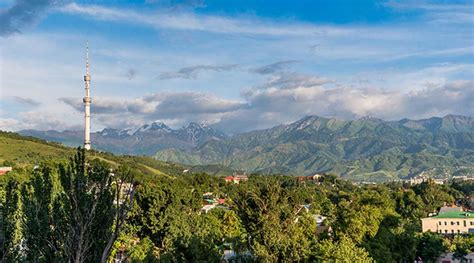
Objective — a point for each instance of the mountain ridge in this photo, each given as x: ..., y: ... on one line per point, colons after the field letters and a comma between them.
x: 389, y: 149
x: 145, y: 140
x: 361, y: 148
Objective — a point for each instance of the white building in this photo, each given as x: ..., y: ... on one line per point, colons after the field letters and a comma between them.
x: 448, y: 258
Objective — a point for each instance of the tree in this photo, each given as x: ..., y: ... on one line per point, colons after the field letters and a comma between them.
x: 270, y: 219
x: 74, y: 212
x: 12, y: 227
x: 44, y: 228
x: 343, y: 250
x: 357, y: 222
x: 461, y: 246
x: 394, y: 242
x: 430, y: 246
x: 409, y: 205
x: 433, y: 195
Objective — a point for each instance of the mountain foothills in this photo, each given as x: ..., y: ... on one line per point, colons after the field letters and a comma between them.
x: 363, y: 149
x: 23, y: 152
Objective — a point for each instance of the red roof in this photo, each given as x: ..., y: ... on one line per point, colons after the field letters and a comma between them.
x: 229, y: 178
x: 221, y: 200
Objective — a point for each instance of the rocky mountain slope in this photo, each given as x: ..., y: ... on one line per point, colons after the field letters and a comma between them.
x: 367, y: 148
x: 146, y: 140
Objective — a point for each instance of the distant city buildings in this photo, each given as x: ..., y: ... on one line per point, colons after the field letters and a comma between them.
x: 450, y: 220
x: 422, y: 178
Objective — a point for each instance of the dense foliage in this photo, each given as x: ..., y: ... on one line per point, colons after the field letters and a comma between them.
x: 270, y: 219
x: 65, y: 212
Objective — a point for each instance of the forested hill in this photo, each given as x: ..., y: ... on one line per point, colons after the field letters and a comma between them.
x: 23, y: 151
x: 366, y: 149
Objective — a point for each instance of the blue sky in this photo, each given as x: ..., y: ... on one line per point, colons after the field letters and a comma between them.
x: 235, y: 65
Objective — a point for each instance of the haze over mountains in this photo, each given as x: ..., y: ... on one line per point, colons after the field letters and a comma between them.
x: 366, y: 148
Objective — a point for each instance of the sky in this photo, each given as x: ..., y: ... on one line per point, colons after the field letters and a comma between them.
x: 236, y: 65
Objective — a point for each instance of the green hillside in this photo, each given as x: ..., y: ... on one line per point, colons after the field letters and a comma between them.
x: 365, y: 149
x: 25, y: 152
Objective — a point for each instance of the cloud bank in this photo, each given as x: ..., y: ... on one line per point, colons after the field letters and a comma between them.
x: 283, y: 99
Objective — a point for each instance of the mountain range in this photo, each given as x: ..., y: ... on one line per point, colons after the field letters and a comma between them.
x: 363, y: 149
x: 146, y: 140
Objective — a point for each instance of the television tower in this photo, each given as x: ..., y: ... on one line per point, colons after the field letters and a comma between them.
x: 87, y: 104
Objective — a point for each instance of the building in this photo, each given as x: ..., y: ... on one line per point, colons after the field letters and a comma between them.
x: 439, y: 181
x: 229, y: 179
x: 5, y: 170
x: 448, y: 209
x: 236, y: 179
x: 315, y: 177
x: 449, y: 221
x: 424, y: 179
x: 209, y: 202
x: 463, y: 178
x: 418, y: 180
x: 448, y: 258
x: 208, y: 208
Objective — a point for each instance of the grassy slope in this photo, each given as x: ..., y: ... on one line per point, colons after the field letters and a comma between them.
x: 29, y: 151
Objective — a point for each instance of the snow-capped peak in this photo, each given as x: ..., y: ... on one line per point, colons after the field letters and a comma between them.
x: 154, y: 126
x: 111, y: 132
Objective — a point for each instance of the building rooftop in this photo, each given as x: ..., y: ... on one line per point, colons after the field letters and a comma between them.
x: 447, y: 209
x: 455, y: 214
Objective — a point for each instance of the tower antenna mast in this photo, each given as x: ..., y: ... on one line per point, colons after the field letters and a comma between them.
x: 87, y: 104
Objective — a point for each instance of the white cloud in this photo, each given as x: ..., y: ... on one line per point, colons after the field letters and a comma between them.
x: 190, y: 21
x: 8, y: 124
x: 177, y: 107
x: 279, y: 102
